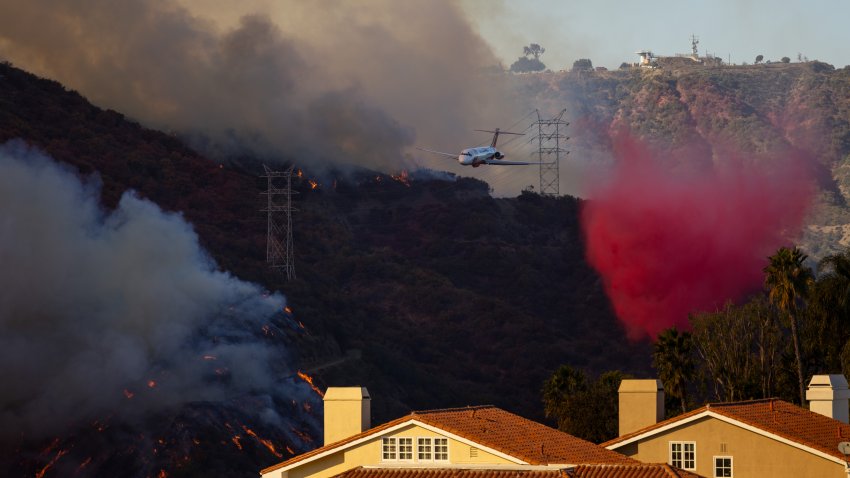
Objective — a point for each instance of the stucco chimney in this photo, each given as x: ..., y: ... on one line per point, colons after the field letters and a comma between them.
x: 828, y: 395
x: 641, y: 404
x: 347, y: 412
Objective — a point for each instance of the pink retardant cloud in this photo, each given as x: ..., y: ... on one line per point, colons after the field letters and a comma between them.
x: 669, y: 244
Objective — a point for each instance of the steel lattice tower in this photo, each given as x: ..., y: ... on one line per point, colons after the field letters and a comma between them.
x: 549, y: 139
x: 280, y: 254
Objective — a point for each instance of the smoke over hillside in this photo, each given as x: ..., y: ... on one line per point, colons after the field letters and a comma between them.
x: 671, y: 243
x: 348, y: 82
x: 119, y: 314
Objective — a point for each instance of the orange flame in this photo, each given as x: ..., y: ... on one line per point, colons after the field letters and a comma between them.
x: 129, y: 394
x: 309, y: 381
x: 52, y: 462
x: 313, y: 184
x: 267, y: 443
x: 402, y: 177
x: 287, y: 309
x: 299, y: 173
x: 162, y: 474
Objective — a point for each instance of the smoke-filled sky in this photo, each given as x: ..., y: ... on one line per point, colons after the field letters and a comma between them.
x: 115, y: 314
x: 610, y: 31
x: 346, y: 81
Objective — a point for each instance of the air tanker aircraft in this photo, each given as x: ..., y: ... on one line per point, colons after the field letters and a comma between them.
x: 483, y: 155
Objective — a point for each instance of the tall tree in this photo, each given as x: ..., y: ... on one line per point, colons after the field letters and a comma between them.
x: 739, y: 348
x: 534, y: 49
x: 787, y: 281
x: 672, y: 358
x: 829, y: 313
x: 586, y: 409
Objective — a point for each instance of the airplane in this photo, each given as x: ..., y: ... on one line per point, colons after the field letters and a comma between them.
x: 482, y: 155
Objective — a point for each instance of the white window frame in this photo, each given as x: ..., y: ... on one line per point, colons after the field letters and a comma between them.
x: 446, y: 460
x: 722, y: 457
x: 412, y: 449
x: 389, y: 441
x: 430, y: 445
x: 683, y: 459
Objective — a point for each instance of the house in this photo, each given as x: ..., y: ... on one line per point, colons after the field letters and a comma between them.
x: 468, y: 442
x: 755, y: 438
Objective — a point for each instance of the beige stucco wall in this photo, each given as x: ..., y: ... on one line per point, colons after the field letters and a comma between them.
x: 753, y: 455
x: 369, y: 453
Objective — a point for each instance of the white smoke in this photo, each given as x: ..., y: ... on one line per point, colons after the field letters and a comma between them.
x: 95, y: 305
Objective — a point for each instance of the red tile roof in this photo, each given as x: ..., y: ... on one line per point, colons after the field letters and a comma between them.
x: 495, y: 428
x: 647, y: 470
x: 773, y: 416
x: 642, y: 470
x: 525, y: 439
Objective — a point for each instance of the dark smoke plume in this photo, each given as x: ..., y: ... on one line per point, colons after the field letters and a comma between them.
x: 341, y: 81
x: 115, y: 314
x: 671, y: 243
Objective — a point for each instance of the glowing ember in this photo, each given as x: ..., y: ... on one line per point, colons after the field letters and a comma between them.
x: 300, y: 324
x: 83, y: 465
x: 267, y: 443
x: 209, y: 357
x: 299, y: 173
x: 303, y: 436
x: 309, y: 381
x: 267, y: 330
x: 52, y: 462
x: 290, y: 451
x: 287, y: 309
x: 162, y: 474
x: 129, y: 394
x: 313, y: 184
x: 378, y: 179
x: 151, y: 383
x: 237, y: 441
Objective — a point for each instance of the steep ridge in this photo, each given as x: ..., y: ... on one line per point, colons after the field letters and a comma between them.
x: 422, y: 288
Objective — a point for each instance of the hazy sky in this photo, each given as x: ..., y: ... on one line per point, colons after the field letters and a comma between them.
x: 610, y: 31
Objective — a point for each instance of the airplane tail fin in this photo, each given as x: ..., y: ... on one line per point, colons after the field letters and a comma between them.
x: 496, y: 134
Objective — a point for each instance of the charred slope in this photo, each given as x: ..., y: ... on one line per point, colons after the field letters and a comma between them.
x: 424, y: 289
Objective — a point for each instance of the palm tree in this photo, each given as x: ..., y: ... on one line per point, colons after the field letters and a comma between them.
x: 672, y: 358
x: 787, y: 282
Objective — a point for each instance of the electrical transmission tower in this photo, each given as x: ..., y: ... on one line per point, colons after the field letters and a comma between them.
x: 549, y: 140
x: 279, y: 250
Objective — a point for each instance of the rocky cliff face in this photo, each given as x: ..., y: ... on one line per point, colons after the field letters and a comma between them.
x: 699, y: 117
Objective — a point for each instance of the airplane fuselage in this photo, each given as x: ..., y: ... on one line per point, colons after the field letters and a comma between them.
x: 477, y: 156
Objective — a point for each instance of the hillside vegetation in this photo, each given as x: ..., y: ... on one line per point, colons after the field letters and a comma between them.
x: 431, y: 293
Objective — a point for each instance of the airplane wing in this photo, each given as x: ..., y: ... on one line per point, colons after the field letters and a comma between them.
x: 508, y: 163
x: 437, y: 152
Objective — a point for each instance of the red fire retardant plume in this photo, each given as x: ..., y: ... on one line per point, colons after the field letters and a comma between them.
x: 669, y: 244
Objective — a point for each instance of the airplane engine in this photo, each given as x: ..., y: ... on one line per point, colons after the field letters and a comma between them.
x: 499, y: 155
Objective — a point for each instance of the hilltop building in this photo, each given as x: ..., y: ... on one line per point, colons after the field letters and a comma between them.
x: 749, y: 439
x: 469, y: 442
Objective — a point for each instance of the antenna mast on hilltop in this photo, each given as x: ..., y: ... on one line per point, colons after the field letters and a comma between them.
x: 694, y: 43
x: 549, y: 138
x: 279, y: 251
